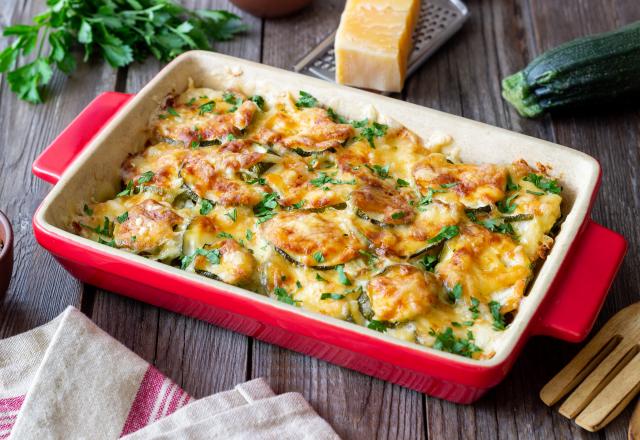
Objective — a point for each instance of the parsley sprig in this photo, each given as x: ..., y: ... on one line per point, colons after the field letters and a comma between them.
x: 545, y: 184
x: 118, y: 31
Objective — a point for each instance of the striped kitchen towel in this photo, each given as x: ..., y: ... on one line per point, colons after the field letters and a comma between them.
x: 70, y: 380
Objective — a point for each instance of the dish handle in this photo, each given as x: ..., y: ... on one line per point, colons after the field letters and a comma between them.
x: 63, y: 150
x: 581, y: 286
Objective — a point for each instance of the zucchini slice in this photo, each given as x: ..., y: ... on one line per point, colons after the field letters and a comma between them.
x: 226, y: 261
x: 382, y: 206
x: 319, y: 240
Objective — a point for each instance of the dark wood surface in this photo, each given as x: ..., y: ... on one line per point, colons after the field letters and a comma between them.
x: 462, y: 78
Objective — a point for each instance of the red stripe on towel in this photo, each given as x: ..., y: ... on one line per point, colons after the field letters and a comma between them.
x: 9, y: 408
x: 147, y: 398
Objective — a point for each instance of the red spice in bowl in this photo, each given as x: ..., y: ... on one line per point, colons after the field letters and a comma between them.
x: 6, y: 252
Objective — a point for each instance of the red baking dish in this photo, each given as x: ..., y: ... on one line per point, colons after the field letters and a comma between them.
x: 563, y: 300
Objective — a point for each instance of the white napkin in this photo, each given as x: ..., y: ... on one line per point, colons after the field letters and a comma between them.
x: 70, y: 380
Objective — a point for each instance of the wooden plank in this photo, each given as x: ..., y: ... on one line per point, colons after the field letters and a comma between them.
x: 200, y: 357
x: 40, y: 289
x: 356, y: 405
x: 611, y: 136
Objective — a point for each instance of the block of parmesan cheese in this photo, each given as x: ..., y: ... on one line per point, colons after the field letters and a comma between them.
x: 373, y: 43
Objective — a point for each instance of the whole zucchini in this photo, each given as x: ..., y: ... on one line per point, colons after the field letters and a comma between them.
x: 590, y: 69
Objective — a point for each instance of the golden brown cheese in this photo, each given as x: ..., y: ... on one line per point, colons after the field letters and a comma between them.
x: 356, y: 220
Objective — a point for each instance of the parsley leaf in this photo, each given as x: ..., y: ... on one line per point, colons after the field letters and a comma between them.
x: 248, y: 235
x: 455, y: 294
x: 495, y: 225
x: 259, y: 101
x: 449, y: 342
x: 336, y: 117
x: 306, y: 100
x: 172, y: 111
x: 335, y: 296
x: 511, y: 185
x: 123, y: 217
x: 318, y: 256
x: 475, y: 312
x: 446, y: 233
x: 498, y: 319
x: 401, y: 183
x: 87, y: 210
x: 205, y: 206
x: 283, y: 296
x: 342, y: 277
x: 264, y: 210
x: 207, y: 107
x: 429, y: 262
x: 507, y: 206
x: 375, y: 130
x: 379, y: 326
x: 323, y: 179
x: 320, y: 278
x: 224, y: 235
x: 371, y: 257
x: 233, y: 214
x: 380, y: 171
x: 299, y: 205
x: 545, y: 184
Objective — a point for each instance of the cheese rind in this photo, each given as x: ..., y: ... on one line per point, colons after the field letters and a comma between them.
x: 373, y: 43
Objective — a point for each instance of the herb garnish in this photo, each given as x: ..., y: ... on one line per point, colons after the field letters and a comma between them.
x: 212, y: 256
x: 320, y: 278
x: 248, y: 235
x: 264, y: 210
x: 429, y: 262
x: 545, y: 184
x: 230, y: 98
x: 511, y: 185
x: 342, y: 277
x: 87, y: 210
x: 123, y: 217
x: 336, y: 117
x: 428, y: 198
x: 224, y: 235
x: 401, y: 183
x: 379, y: 326
x: 318, y: 256
x: 233, y: 214
x: 371, y: 257
x: 398, y: 215
x: 283, y: 296
x: 446, y: 233
x: 498, y: 319
x: 205, y: 206
x: 447, y: 341
x: 323, y: 179
x: 475, y: 312
x: 118, y: 31
x: 332, y: 296
x: 375, y: 130
x: 306, y: 100
x: 455, y: 294
x: 131, y: 189
x: 535, y: 193
x: 173, y: 112
x: 299, y: 205
x: 507, y: 206
x: 380, y: 171
x: 259, y: 101
x: 449, y: 185
x: 495, y: 225
x: 206, y: 107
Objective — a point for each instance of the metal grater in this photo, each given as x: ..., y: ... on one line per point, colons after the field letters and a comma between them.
x: 438, y: 21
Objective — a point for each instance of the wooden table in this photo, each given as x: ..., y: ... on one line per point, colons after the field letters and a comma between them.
x: 462, y: 78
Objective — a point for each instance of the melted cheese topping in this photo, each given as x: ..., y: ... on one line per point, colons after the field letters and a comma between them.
x: 353, y: 219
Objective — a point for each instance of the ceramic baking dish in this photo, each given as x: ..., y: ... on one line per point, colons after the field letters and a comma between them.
x: 562, y: 302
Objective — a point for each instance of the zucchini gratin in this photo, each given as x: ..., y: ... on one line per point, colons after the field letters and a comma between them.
x: 357, y: 219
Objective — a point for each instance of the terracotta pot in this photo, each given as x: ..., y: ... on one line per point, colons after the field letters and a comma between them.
x: 6, y: 253
x: 271, y: 8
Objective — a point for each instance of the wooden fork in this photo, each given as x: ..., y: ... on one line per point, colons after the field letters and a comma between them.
x: 605, y: 374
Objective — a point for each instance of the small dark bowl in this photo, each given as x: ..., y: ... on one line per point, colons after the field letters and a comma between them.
x: 271, y: 8
x: 6, y: 253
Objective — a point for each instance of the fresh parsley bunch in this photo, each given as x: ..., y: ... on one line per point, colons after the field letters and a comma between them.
x: 120, y: 31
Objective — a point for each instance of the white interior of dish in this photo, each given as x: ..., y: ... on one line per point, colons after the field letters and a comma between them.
x: 95, y: 173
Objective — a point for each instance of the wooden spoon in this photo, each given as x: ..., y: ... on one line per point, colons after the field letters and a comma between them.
x: 605, y: 373
x: 634, y: 424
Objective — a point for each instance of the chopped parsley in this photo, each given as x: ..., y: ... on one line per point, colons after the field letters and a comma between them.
x: 264, y: 210
x: 401, y: 183
x: 87, y: 210
x: 230, y: 98
x: 259, y: 101
x: 320, y: 278
x: 131, y: 189
x: 495, y: 225
x: 248, y: 235
x: 511, y: 185
x: 375, y: 130
x: 332, y: 296
x: 360, y: 124
x: 191, y: 101
x: 195, y: 144
x: 229, y: 138
x: 224, y: 235
x: 123, y: 217
x: 507, y: 206
x: 318, y: 257
x: 398, y: 215
x: 428, y: 198
x: 212, y: 256
x: 106, y: 229
x: 298, y: 284
x: 205, y: 206
x: 336, y: 117
x: 498, y: 319
x: 535, y: 193
x: 233, y: 214
x: 475, y: 312
x: 299, y: 205
x: 455, y: 294
x: 306, y: 100
x: 380, y: 171
x: 449, y: 342
x: 545, y: 184
x: 342, y: 277
x: 111, y: 242
x: 446, y: 233
x: 449, y: 185
x: 257, y: 180
x: 379, y: 326
x: 428, y: 262
x: 207, y: 107
x: 323, y: 179
x: 172, y: 111
x: 283, y: 296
